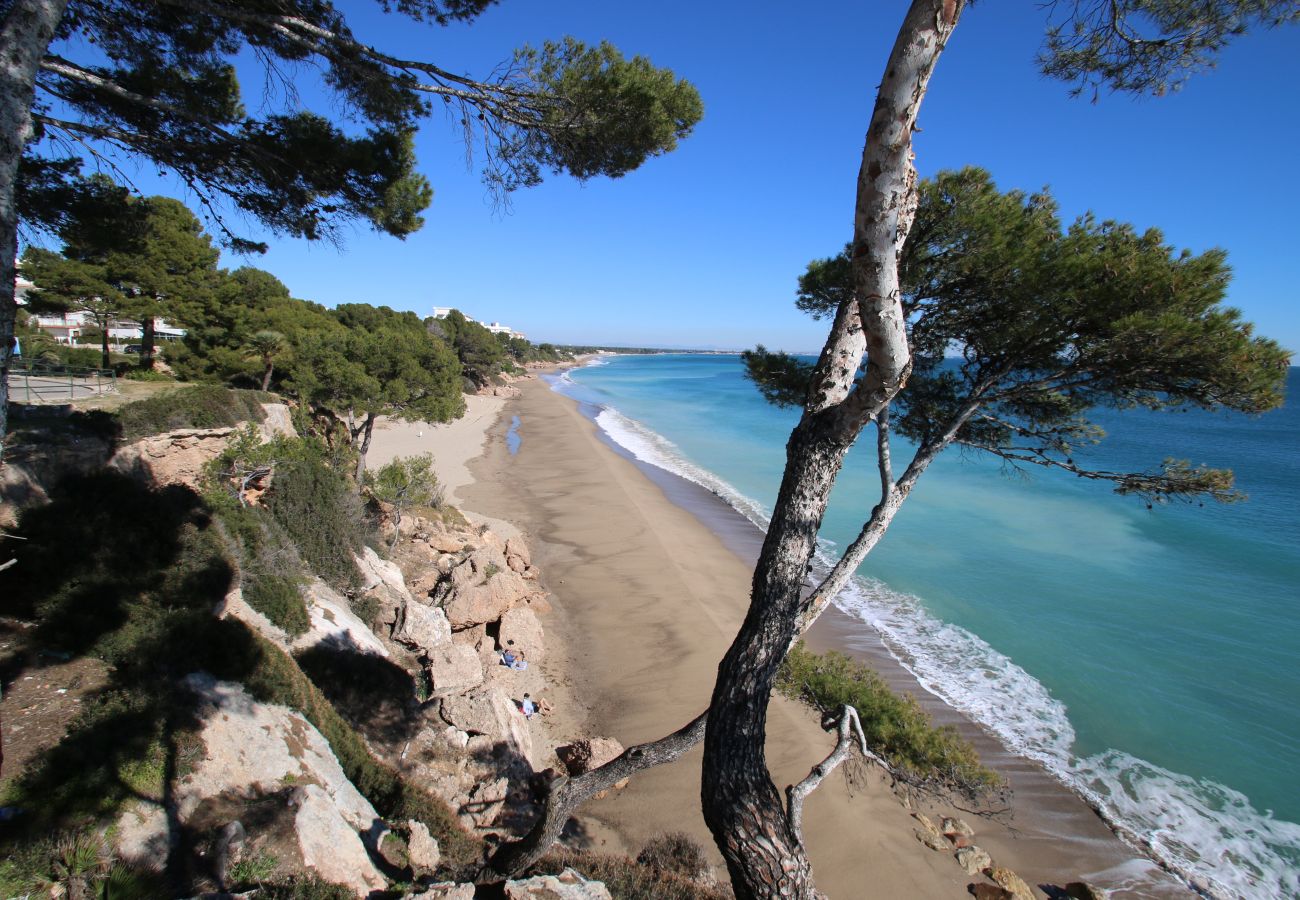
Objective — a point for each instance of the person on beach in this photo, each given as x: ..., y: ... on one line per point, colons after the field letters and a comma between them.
x: 544, y: 706
x: 528, y: 706
x: 513, y: 657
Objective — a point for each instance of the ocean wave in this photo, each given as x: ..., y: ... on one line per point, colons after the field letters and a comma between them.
x: 1208, y: 833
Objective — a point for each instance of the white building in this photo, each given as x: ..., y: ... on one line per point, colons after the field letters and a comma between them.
x: 441, y: 312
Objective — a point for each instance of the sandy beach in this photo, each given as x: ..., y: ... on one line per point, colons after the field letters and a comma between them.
x: 649, y: 578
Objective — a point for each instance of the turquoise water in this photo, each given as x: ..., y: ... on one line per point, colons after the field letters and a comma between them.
x: 1149, y: 657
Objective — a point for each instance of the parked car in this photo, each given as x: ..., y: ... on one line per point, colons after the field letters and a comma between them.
x: 132, y: 348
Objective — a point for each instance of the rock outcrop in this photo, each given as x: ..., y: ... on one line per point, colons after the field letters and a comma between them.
x: 568, y: 885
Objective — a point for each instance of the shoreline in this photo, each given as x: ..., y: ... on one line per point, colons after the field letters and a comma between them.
x: 568, y: 470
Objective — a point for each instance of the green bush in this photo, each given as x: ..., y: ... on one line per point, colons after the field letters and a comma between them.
x: 306, y: 887
x: 675, y: 852
x: 895, y: 725
x: 279, y: 598
x: 317, y: 508
x: 200, y: 406
x: 138, y: 374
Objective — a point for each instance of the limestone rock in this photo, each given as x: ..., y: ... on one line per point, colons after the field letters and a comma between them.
x: 329, y: 845
x: 488, y: 711
x: 479, y: 589
x: 1011, y: 881
x: 973, y: 860
x: 453, y: 668
x: 587, y: 754
x: 568, y: 885
x: 446, y: 890
x: 379, y: 574
x: 175, y: 457
x: 926, y: 825
x: 422, y: 848
x: 951, y: 826
x: 485, y: 802
x: 422, y: 627
x: 516, y: 564
x: 934, y: 842
x: 516, y: 548
x: 1081, y: 890
x: 985, y: 891
x: 521, y: 629
x: 539, y: 604
x: 334, y: 622
x: 278, y: 422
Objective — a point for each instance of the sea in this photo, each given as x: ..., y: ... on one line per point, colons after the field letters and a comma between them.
x: 1148, y: 657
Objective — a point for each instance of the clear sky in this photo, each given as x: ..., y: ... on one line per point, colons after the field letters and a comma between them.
x: 701, y: 248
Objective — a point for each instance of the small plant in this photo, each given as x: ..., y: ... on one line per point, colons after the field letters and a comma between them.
x: 253, y: 870
x: 404, y: 483
x: 675, y: 852
x: 489, y: 570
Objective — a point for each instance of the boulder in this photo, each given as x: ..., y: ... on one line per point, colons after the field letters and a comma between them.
x: 521, y: 629
x: 453, y: 668
x: 278, y: 422
x: 587, y: 754
x: 568, y: 885
x: 933, y: 841
x: 333, y: 621
x: 486, y: 800
x: 479, y: 589
x: 517, y: 549
x: 516, y: 564
x: 446, y: 542
x: 175, y: 457
x: 926, y: 825
x: 1005, y: 878
x: 973, y: 860
x: 950, y: 826
x: 1081, y: 890
x: 539, y: 604
x: 984, y: 891
x: 422, y: 627
x: 329, y: 845
x: 421, y: 848
x: 380, y: 574
x: 488, y: 711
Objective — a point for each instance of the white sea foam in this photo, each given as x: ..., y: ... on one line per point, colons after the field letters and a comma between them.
x: 1208, y: 833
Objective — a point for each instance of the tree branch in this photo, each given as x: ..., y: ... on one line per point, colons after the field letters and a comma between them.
x: 850, y: 727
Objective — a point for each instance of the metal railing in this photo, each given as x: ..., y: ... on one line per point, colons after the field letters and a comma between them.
x: 37, y: 383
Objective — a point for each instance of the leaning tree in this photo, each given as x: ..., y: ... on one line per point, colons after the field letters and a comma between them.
x: 154, y: 81
x: 868, y: 357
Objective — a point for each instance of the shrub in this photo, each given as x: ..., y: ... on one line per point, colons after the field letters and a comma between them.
x: 895, y: 725
x: 279, y: 598
x: 306, y: 887
x: 626, y: 879
x: 138, y: 374
x: 318, y: 510
x: 201, y: 406
x: 675, y: 852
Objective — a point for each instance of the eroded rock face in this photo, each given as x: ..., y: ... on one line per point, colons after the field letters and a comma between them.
x: 568, y: 885
x: 176, y: 457
x: 422, y: 848
x: 582, y: 756
x: 422, y: 627
x: 329, y: 845
x: 480, y: 588
x: 453, y: 668
x: 486, y: 800
x: 333, y: 621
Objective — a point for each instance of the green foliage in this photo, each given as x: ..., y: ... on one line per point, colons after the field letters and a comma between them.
x: 201, y: 406
x: 782, y: 379
x: 306, y: 887
x: 626, y: 880
x: 1148, y: 46
x: 146, y: 375
x: 1049, y: 324
x: 405, y: 482
x: 74, y: 863
x: 895, y: 725
x: 481, y: 355
x: 319, y: 512
x: 253, y: 870
x: 140, y: 595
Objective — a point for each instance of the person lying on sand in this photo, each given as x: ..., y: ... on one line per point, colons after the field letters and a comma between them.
x: 514, y: 658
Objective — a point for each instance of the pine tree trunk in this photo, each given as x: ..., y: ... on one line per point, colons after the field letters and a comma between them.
x: 266, y: 377
x: 742, y: 806
x: 147, y: 340
x: 366, y: 431
x: 25, y: 34
x: 106, y: 358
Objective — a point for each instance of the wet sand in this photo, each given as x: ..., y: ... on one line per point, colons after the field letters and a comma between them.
x: 650, y: 578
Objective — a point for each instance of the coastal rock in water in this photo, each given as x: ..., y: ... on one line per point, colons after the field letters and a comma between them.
x: 568, y: 885
x: 985, y: 891
x: 333, y: 621
x: 521, y: 629
x: 582, y: 756
x: 1011, y: 881
x: 422, y: 627
x: 973, y: 860
x: 490, y: 712
x: 453, y: 669
x: 1081, y: 890
x: 422, y: 848
x: 329, y: 845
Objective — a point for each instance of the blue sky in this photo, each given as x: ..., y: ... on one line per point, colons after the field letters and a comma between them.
x: 701, y: 248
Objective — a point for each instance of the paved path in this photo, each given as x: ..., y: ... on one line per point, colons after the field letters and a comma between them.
x: 56, y: 388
